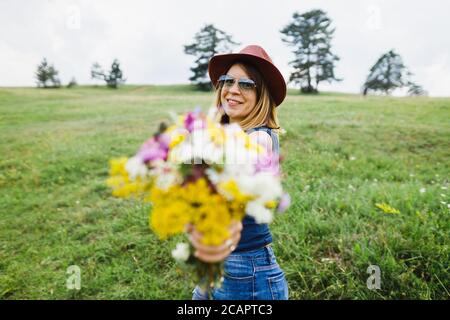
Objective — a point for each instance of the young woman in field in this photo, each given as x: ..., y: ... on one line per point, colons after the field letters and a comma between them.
x: 249, y: 87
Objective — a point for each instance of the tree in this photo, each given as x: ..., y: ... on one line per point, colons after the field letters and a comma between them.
x: 207, y: 42
x: 72, y: 83
x: 113, y: 78
x: 310, y: 34
x: 387, y: 74
x: 47, y: 73
x: 416, y: 90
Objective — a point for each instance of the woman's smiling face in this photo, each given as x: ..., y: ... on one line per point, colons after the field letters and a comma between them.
x: 236, y: 102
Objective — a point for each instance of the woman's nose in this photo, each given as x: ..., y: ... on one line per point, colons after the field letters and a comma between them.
x: 235, y: 88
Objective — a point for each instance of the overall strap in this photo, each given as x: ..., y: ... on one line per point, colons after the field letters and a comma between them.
x: 273, y: 135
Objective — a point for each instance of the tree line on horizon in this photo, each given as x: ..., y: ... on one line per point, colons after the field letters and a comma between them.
x: 47, y: 75
x: 309, y: 34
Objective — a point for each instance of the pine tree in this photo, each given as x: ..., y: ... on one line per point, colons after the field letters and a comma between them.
x: 387, y: 74
x: 207, y: 42
x: 113, y: 78
x: 310, y: 34
x: 46, y: 74
x: 415, y: 89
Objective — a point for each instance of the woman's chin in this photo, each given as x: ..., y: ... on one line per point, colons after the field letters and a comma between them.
x: 232, y: 113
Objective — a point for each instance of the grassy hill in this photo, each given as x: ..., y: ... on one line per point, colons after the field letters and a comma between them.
x: 343, y: 154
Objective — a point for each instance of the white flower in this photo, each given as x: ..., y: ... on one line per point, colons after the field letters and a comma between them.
x: 181, y: 252
x: 352, y: 158
x: 165, y: 181
x: 166, y: 174
x: 212, y: 154
x: 422, y: 190
x: 258, y: 211
x: 264, y: 185
x: 136, y: 167
x: 327, y: 260
x: 213, y: 176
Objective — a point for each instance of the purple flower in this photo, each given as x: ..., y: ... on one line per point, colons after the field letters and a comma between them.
x: 268, y: 163
x: 152, y: 154
x: 154, y: 149
x: 284, y: 203
x: 194, y: 121
x: 189, y: 121
x: 164, y: 141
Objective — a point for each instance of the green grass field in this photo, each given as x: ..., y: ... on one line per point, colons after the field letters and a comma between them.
x: 342, y: 155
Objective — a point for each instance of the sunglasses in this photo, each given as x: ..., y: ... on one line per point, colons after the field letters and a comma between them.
x: 243, y: 83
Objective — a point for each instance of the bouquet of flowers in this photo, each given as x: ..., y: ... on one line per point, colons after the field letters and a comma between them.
x: 198, y: 172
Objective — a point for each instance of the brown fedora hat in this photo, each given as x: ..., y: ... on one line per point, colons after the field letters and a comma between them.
x: 256, y: 56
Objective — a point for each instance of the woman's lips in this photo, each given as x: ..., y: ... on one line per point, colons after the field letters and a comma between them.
x: 232, y: 103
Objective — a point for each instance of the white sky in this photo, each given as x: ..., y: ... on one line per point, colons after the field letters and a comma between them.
x: 148, y: 37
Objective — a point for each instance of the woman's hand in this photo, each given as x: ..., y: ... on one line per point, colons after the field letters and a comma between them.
x: 215, y: 253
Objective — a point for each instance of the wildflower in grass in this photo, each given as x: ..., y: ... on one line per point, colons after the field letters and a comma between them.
x: 422, y: 190
x: 387, y: 208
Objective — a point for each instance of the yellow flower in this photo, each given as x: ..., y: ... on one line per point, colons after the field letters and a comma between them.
x: 170, y: 213
x: 121, y: 184
x: 176, y: 139
x: 387, y: 208
x: 232, y: 192
x: 216, y: 134
x: 272, y: 204
x: 117, y: 166
x: 193, y: 203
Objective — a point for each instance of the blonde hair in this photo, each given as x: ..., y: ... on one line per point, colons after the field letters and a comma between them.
x: 264, y: 112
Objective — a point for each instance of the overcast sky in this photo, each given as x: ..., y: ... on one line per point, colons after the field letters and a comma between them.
x: 148, y: 36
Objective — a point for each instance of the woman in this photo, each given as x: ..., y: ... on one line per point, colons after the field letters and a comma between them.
x: 249, y: 88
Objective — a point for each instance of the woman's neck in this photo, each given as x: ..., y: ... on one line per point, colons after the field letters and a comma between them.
x: 234, y: 120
